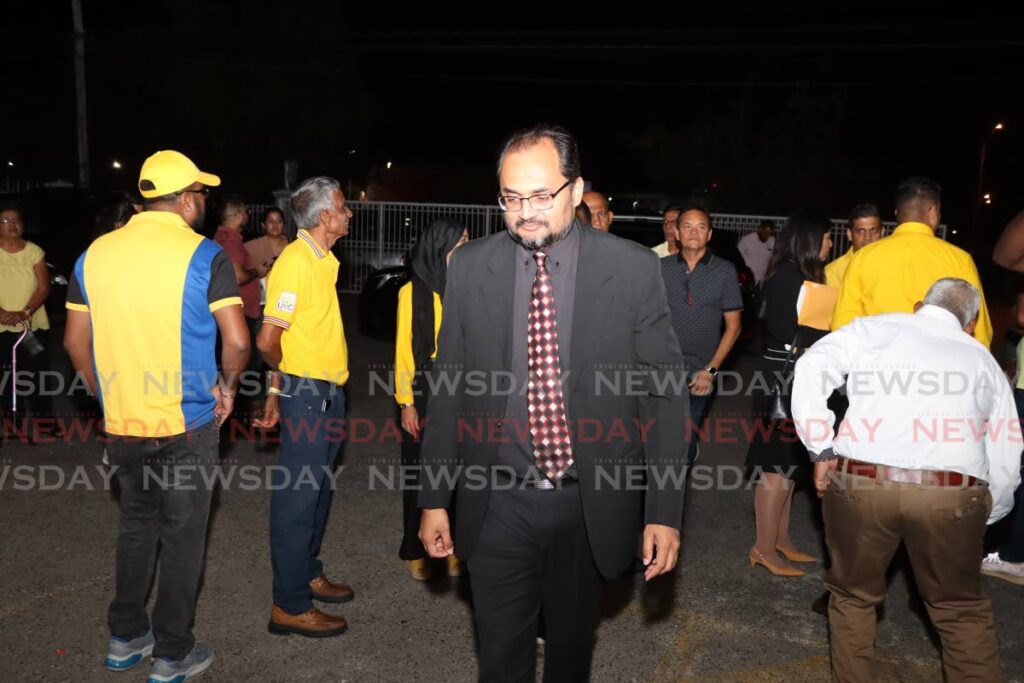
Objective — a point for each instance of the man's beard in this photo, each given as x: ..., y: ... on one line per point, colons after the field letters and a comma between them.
x: 551, y: 239
x: 198, y: 220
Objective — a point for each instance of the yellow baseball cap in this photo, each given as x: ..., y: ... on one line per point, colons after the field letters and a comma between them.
x: 168, y: 171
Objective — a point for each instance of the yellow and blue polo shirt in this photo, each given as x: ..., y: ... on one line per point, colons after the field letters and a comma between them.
x: 150, y: 289
x: 302, y: 299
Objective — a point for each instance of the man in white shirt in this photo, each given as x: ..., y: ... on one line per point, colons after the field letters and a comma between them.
x: 929, y: 451
x: 757, y: 248
x: 669, y: 218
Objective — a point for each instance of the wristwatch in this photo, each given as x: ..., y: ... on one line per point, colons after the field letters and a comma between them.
x: 711, y: 370
x: 406, y: 405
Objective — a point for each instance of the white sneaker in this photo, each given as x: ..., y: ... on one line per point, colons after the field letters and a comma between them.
x: 1007, y: 571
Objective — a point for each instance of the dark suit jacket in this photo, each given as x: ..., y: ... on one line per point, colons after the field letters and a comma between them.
x: 622, y: 331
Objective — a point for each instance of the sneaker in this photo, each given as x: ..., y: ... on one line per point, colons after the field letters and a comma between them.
x: 180, y: 670
x: 1000, y: 569
x: 123, y: 654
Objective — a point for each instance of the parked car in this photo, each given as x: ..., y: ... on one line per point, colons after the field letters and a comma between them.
x: 378, y: 302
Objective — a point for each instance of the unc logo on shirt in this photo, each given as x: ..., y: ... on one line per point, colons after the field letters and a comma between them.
x: 286, y: 302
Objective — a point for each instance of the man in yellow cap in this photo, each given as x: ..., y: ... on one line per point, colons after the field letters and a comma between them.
x: 145, y: 304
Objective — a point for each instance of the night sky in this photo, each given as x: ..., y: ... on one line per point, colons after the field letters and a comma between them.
x: 779, y: 111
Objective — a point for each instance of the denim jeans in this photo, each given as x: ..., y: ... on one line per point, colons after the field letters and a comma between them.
x: 166, y: 486
x: 312, y: 432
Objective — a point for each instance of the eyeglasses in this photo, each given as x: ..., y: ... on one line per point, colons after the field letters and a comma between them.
x: 542, y: 201
x: 205, y: 191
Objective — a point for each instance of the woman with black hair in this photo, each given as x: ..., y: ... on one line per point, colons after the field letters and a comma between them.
x: 801, y: 249
x: 419, y: 320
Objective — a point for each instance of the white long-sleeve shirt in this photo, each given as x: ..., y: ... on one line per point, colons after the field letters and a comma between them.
x: 756, y: 254
x: 923, y: 395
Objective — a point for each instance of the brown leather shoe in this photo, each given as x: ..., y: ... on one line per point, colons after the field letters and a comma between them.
x: 312, y: 624
x: 325, y: 591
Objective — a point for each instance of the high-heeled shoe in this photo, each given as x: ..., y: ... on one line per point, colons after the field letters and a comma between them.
x: 420, y: 569
x: 756, y: 558
x: 456, y: 567
x: 796, y: 555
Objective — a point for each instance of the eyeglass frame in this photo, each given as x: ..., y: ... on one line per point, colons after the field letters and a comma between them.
x: 504, y: 199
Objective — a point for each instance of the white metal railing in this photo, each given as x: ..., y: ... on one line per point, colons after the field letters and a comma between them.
x: 381, y: 233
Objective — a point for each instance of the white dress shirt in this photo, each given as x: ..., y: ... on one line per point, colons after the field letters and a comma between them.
x: 923, y: 395
x: 756, y: 254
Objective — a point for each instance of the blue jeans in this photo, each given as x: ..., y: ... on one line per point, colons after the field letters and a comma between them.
x: 312, y: 432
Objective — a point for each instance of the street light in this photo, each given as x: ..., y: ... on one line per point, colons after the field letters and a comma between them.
x: 116, y: 165
x: 978, y: 196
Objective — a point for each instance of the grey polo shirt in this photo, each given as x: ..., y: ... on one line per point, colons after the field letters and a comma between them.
x: 562, y: 262
x: 697, y: 300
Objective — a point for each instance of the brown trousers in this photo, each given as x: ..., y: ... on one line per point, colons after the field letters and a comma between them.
x: 942, y: 527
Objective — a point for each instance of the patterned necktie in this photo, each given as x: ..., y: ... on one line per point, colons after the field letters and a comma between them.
x: 552, y: 449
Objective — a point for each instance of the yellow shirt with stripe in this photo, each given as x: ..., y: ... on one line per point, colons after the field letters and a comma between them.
x: 150, y: 290
x: 894, y: 273
x: 836, y: 271
x: 302, y: 299
x: 405, y: 364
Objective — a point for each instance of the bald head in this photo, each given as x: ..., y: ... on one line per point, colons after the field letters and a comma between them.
x: 600, y: 215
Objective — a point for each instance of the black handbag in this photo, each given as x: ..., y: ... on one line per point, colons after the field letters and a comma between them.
x: 782, y: 406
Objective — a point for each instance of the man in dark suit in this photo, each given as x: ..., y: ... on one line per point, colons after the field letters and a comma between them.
x: 551, y: 468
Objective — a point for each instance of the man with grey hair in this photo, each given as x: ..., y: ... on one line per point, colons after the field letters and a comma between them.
x: 303, y: 342
x: 928, y: 453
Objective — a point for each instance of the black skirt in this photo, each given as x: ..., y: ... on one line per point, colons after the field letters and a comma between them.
x: 774, y: 444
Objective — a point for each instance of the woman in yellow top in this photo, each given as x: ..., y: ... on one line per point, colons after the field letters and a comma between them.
x: 24, y: 286
x: 419, y: 319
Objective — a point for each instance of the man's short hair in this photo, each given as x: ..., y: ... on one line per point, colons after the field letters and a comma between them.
x: 311, y: 198
x: 913, y: 190
x: 670, y: 208
x: 695, y: 206
x: 864, y: 211
x: 957, y: 296
x: 563, y: 140
x: 230, y: 205
x: 767, y: 223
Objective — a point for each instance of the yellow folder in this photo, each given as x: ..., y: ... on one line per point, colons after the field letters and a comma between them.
x: 816, y: 304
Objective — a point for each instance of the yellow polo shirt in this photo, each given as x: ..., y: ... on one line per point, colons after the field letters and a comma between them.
x: 405, y: 364
x: 302, y: 299
x: 894, y: 273
x: 836, y: 271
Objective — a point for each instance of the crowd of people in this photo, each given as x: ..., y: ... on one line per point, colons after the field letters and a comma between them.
x: 550, y: 304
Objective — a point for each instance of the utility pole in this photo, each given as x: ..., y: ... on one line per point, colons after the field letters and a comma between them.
x: 83, y: 132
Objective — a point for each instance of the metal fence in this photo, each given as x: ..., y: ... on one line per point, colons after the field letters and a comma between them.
x: 381, y: 233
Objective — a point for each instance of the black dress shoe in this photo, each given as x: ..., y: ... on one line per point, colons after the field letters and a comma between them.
x: 820, y: 605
